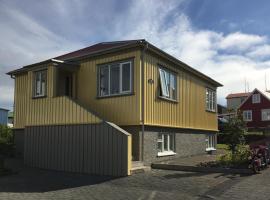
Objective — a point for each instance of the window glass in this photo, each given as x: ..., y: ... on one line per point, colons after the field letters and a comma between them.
x: 165, y: 142
x: 171, y: 139
x: 168, y: 83
x: 210, y: 141
x: 256, y: 98
x: 210, y: 100
x: 126, y: 77
x: 247, y: 115
x: 266, y: 115
x: 115, y: 79
x: 104, y: 80
x: 164, y: 89
x: 173, y: 86
x: 40, y: 83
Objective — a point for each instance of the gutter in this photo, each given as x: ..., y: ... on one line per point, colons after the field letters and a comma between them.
x: 145, y: 47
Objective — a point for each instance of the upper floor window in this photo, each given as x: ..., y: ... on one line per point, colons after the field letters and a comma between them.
x: 256, y: 98
x: 115, y: 79
x: 211, y: 102
x: 40, y: 82
x: 247, y: 115
x: 168, y: 84
x: 265, y: 114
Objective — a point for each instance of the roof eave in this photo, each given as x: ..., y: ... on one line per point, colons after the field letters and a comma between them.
x: 27, y: 67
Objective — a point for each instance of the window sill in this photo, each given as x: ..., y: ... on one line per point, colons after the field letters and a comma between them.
x: 38, y: 97
x: 166, y: 153
x: 210, y: 149
x: 168, y: 99
x: 211, y: 111
x: 116, y: 95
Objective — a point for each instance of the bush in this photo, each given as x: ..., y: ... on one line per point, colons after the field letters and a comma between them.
x: 249, y: 138
x: 240, y: 158
x: 6, y: 141
x: 234, y: 132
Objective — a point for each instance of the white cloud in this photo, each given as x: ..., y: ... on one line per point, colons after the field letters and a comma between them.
x: 228, y: 58
x: 218, y: 55
x: 260, y: 52
x: 240, y: 41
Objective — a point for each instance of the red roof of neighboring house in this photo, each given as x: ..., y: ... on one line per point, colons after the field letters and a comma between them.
x: 238, y: 95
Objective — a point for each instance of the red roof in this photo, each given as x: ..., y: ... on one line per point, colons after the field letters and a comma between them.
x: 95, y: 48
x: 238, y: 95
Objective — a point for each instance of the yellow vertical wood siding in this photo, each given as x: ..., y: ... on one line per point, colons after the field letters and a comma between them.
x: 122, y: 110
x: 21, y: 100
x: 188, y: 112
x: 58, y: 110
x: 49, y: 110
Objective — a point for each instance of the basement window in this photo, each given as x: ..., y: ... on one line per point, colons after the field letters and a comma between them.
x: 40, y: 83
x: 165, y: 144
x: 168, y: 84
x: 115, y: 79
x: 211, y: 101
x: 210, y: 142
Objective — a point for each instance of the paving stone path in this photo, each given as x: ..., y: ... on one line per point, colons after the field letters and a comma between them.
x: 36, y: 184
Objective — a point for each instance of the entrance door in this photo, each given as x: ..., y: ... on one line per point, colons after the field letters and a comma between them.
x: 68, y: 85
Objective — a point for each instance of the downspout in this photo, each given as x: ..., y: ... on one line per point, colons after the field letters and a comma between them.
x: 145, y: 46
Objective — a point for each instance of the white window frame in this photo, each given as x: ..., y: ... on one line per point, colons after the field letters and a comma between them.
x: 256, y: 98
x: 267, y: 118
x: 165, y: 85
x: 161, y: 140
x: 42, y: 91
x: 210, y: 142
x: 247, y: 115
x: 121, y: 92
x: 211, y: 100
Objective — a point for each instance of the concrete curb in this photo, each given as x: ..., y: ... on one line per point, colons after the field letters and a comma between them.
x: 201, y: 169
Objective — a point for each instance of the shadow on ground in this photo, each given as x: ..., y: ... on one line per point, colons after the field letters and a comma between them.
x: 35, y: 180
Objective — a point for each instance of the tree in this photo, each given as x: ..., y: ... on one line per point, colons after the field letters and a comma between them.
x: 234, y: 132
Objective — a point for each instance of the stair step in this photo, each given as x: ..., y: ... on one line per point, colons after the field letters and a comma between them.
x: 137, y: 164
x: 138, y: 167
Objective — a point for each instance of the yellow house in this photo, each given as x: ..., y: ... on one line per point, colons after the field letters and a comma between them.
x: 120, y: 101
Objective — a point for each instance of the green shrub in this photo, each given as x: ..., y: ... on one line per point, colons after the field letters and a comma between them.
x: 6, y: 141
x: 238, y: 159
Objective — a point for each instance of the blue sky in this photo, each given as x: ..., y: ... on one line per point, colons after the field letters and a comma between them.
x: 227, y: 40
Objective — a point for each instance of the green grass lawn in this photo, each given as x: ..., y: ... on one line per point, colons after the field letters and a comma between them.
x: 222, y: 146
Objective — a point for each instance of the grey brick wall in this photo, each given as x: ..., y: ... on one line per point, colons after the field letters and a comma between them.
x: 186, y: 144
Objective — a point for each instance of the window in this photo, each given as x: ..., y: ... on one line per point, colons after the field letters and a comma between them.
x: 168, y: 83
x: 247, y: 115
x: 165, y: 144
x: 210, y: 142
x: 40, y: 81
x: 115, y: 79
x: 211, y: 102
x: 256, y: 98
x: 265, y: 114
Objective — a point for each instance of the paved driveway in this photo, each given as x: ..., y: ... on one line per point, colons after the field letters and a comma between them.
x: 156, y: 184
